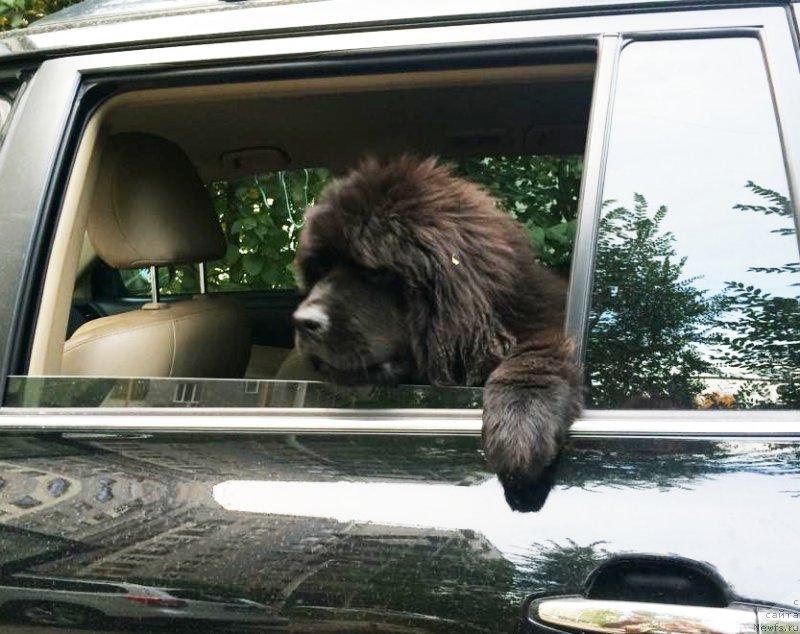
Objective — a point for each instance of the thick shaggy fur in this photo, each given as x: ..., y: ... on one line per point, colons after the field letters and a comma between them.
x: 413, y: 275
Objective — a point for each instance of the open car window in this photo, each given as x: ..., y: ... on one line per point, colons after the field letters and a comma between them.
x: 267, y: 152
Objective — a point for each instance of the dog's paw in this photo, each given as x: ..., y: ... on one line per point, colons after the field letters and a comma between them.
x: 523, y: 430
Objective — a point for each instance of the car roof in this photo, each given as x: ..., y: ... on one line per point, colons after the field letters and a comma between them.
x: 120, y: 24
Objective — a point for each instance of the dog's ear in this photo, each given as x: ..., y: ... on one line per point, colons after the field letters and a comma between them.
x: 457, y: 336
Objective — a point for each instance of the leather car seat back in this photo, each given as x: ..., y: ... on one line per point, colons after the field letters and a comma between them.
x: 150, y: 208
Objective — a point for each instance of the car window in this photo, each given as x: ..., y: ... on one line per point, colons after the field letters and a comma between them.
x: 695, y: 300
x: 522, y: 142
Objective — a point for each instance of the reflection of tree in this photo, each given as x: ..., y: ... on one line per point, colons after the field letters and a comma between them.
x: 640, y: 464
x: 759, y: 333
x: 557, y: 567
x: 648, y: 326
x: 646, y: 321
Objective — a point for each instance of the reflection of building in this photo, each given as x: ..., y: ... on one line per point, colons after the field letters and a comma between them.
x: 22, y: 549
x: 142, y: 511
x: 194, y: 393
x: 288, y: 561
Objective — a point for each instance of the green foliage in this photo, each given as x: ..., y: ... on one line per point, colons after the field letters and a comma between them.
x: 646, y: 321
x: 758, y: 333
x: 16, y: 14
x: 262, y: 217
x: 541, y: 192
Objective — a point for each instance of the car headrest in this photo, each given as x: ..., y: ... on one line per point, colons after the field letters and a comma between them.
x: 150, y: 206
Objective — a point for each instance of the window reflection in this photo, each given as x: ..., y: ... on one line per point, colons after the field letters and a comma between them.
x: 695, y: 300
x: 64, y: 391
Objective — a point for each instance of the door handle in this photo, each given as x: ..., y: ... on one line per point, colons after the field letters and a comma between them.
x: 576, y: 614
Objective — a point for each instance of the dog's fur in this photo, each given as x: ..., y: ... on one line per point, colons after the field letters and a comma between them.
x: 413, y: 275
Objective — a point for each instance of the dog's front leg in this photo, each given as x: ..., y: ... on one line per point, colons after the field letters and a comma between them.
x: 529, y: 403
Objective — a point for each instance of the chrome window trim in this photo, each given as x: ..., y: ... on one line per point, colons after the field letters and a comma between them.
x: 591, y: 195
x: 594, y: 423
x: 783, y: 72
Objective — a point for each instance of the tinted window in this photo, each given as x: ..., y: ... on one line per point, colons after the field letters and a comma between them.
x: 695, y: 301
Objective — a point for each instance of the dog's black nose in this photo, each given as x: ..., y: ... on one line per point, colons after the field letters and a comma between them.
x: 310, y: 320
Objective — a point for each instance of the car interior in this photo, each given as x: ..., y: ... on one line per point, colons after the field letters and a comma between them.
x: 137, y: 201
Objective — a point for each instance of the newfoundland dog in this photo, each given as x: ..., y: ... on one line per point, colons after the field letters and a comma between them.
x: 413, y: 275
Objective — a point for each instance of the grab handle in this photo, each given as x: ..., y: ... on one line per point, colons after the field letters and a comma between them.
x: 576, y: 614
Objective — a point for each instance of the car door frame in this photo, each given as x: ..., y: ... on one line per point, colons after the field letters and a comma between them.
x: 43, y: 135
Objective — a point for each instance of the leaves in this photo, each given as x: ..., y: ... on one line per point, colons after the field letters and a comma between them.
x: 262, y: 217
x: 252, y: 264
x: 16, y: 14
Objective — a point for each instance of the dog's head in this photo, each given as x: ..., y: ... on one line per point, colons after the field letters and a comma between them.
x: 407, y: 270
x: 352, y: 327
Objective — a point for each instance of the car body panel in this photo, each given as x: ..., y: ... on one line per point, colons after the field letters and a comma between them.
x: 130, y: 602
x: 399, y: 529
x: 107, y: 24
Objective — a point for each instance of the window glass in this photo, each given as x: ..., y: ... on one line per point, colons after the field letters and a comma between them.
x: 695, y: 299
x: 9, y: 92
x: 172, y: 280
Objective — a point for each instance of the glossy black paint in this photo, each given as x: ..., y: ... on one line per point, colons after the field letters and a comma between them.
x: 388, y: 533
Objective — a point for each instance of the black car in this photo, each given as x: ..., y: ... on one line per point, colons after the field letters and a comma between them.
x: 157, y: 431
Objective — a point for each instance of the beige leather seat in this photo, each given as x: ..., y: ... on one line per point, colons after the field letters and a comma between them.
x: 151, y: 208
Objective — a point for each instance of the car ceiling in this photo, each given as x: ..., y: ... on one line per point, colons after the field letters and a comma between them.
x: 335, y: 127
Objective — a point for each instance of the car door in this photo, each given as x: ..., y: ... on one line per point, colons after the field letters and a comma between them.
x: 674, y: 504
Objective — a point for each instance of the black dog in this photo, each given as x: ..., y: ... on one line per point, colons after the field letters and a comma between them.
x: 414, y: 276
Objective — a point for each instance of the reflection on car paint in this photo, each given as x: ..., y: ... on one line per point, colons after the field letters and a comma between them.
x: 402, y: 533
